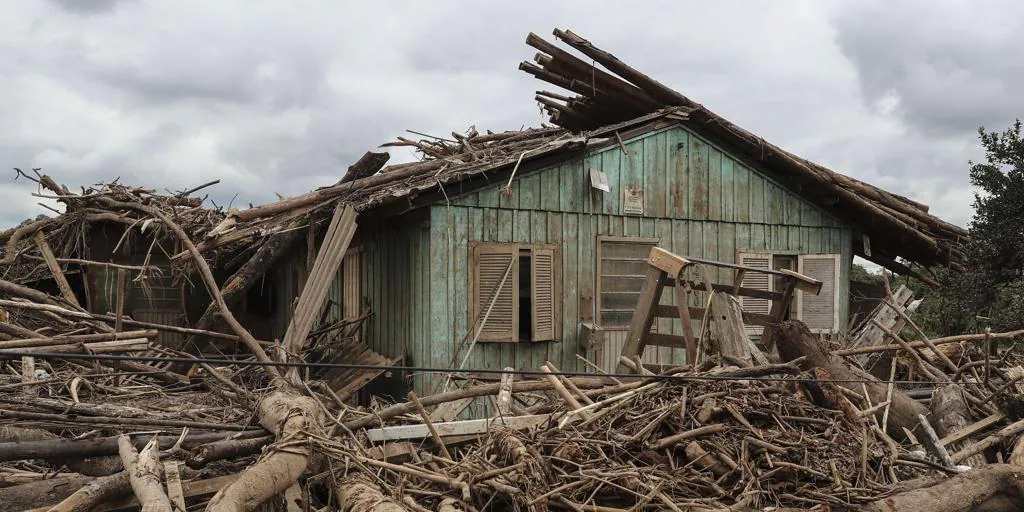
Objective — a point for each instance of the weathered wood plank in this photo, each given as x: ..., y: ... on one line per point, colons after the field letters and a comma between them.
x: 757, y: 198
x: 611, y: 164
x: 741, y: 190
x: 698, y: 179
x: 677, y: 147
x: 655, y: 175
x: 456, y: 428
x: 715, y: 183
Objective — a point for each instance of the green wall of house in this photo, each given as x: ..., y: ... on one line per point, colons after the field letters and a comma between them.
x: 698, y: 202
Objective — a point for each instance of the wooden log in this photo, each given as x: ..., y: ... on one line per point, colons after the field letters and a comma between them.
x: 51, y: 448
x: 504, y: 402
x: 106, y: 420
x: 98, y: 347
x: 358, y: 494
x: 55, y: 270
x: 795, y: 342
x: 366, y: 166
x: 950, y: 414
x: 728, y: 330
x: 144, y: 474
x: 42, y: 493
x: 204, y: 454
x: 208, y: 280
x: 97, y: 491
x: 78, y: 338
x: 994, y: 488
x: 989, y: 441
x: 288, y: 415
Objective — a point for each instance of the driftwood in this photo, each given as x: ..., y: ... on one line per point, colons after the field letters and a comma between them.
x: 95, y: 492
x: 145, y: 474
x: 950, y: 414
x: 996, y: 488
x: 795, y: 341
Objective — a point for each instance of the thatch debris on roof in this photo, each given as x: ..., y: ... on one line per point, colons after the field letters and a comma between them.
x: 896, y: 226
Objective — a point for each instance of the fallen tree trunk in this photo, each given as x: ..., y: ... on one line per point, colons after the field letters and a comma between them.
x: 795, y: 341
x: 287, y: 414
x: 950, y: 414
x: 995, y: 488
x: 43, y: 445
x: 94, y: 493
x: 40, y: 494
x: 144, y: 471
x: 357, y: 494
x: 204, y: 454
x: 87, y: 464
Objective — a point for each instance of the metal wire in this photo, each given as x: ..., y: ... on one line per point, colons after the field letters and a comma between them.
x: 427, y: 369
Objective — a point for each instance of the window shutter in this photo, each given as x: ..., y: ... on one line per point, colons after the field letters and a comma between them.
x: 543, y: 294
x: 756, y: 281
x: 496, y: 278
x: 820, y: 312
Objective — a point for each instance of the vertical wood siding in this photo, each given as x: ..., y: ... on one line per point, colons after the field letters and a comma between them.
x: 699, y: 201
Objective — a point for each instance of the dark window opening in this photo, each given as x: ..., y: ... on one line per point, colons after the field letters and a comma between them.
x: 525, y: 297
x: 784, y: 263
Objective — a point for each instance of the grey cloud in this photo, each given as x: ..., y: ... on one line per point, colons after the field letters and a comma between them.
x: 951, y: 66
x: 87, y: 7
x: 283, y: 96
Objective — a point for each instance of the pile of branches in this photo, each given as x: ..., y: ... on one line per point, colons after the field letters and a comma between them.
x: 669, y: 443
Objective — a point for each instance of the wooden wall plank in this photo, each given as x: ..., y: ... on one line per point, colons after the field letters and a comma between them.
x: 698, y: 179
x: 677, y: 149
x: 550, y: 189
x: 728, y: 189
x: 757, y: 198
x: 586, y: 281
x: 572, y: 180
x: 655, y: 175
x: 716, y: 202
x: 611, y: 164
x: 572, y: 226
x: 529, y: 192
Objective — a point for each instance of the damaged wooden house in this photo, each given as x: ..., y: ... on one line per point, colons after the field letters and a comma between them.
x: 515, y: 248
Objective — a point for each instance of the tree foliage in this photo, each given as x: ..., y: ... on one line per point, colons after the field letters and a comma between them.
x: 990, y: 290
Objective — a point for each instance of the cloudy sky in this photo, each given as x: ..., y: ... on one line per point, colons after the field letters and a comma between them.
x: 281, y: 96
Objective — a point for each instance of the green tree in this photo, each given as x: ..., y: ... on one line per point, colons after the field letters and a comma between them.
x: 989, y: 292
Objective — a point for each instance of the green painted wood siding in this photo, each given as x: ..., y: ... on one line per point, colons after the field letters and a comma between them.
x: 699, y: 201
x: 395, y: 283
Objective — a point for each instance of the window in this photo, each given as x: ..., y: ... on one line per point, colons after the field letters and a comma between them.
x: 820, y: 312
x: 622, y: 270
x: 514, y: 290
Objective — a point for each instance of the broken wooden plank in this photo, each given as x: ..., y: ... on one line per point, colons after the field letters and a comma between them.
x: 55, y: 270
x: 456, y: 428
x: 335, y: 245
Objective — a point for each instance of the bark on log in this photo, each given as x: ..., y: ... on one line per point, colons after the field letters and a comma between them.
x: 950, y: 414
x: 94, y: 493
x: 366, y: 166
x: 995, y: 488
x: 204, y: 454
x: 287, y: 414
x: 40, y: 494
x: 144, y: 471
x: 795, y: 341
x: 727, y: 328
x: 360, y: 495
x: 39, y: 444
x: 19, y: 438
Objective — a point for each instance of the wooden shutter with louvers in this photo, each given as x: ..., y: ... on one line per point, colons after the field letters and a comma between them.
x: 495, y: 281
x: 544, y: 313
x: 820, y: 312
x: 756, y: 281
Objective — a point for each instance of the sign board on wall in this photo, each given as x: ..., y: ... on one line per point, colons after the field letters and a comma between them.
x: 632, y: 200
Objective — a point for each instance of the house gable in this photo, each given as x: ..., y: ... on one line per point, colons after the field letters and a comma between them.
x: 681, y: 175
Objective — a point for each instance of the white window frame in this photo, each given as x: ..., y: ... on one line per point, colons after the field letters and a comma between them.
x: 601, y: 240
x: 835, y: 291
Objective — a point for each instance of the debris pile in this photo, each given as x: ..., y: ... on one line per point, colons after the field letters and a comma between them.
x: 101, y: 411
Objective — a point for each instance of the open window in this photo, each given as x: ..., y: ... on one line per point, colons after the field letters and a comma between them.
x: 514, y: 289
x: 820, y: 312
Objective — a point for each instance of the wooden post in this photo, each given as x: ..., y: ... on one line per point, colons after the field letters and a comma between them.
x: 119, y: 318
x: 504, y: 402
x: 650, y: 294
x: 58, y: 273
